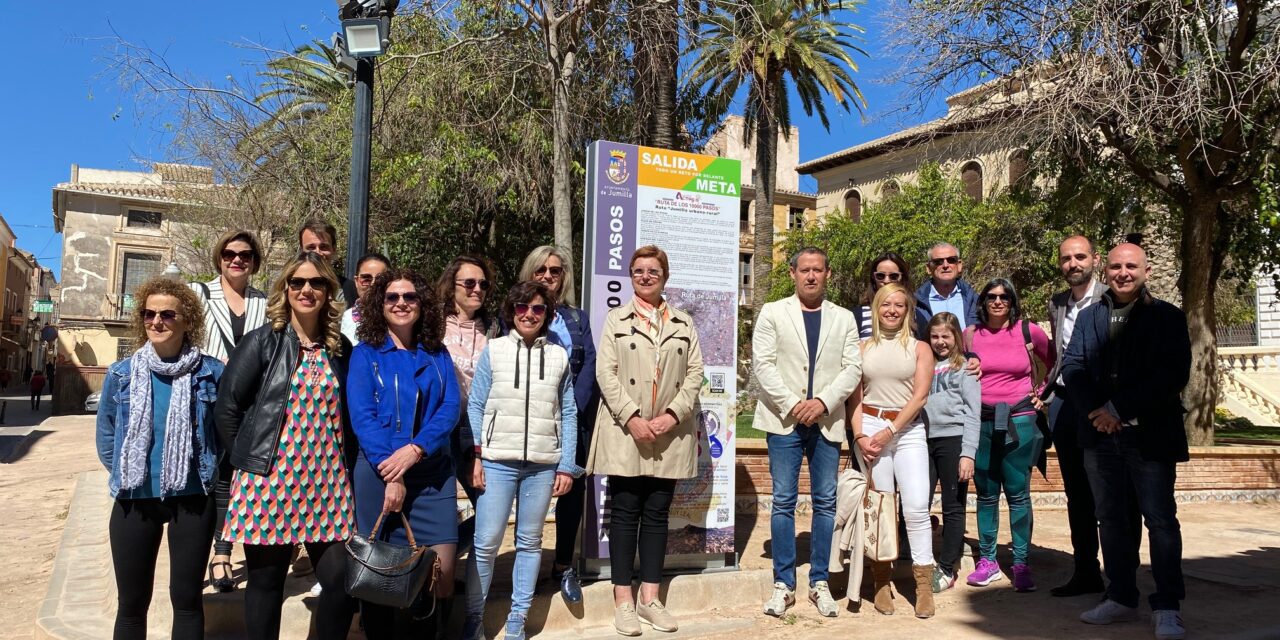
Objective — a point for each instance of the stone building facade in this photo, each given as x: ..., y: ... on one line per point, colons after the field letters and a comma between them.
x: 118, y: 230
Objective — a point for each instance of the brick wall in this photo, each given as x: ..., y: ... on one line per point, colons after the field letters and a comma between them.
x: 1210, y: 469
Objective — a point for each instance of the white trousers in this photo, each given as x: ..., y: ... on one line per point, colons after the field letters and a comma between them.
x: 904, y: 465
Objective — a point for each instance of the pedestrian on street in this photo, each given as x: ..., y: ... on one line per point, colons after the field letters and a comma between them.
x: 1125, y: 368
x: 570, y: 328
x: 524, y: 422
x: 231, y: 308
x: 282, y: 417
x: 155, y: 436
x: 1012, y: 349
x: 649, y: 367
x: 1078, y: 260
x: 889, y: 432
x: 953, y: 411
x: 404, y: 404
x: 807, y: 363
x: 37, y: 388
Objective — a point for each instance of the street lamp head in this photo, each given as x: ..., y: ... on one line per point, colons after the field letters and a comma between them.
x: 348, y: 9
x: 367, y: 37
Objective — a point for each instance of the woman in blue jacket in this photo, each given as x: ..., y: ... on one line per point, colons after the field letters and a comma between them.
x: 404, y: 402
x: 156, y: 438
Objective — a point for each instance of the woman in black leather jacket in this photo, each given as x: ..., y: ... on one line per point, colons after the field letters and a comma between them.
x: 282, y: 416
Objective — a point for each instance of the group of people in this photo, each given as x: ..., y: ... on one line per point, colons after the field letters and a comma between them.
x: 947, y: 384
x: 301, y: 416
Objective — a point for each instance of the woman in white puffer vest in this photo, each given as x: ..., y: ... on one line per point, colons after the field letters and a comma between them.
x: 524, y: 421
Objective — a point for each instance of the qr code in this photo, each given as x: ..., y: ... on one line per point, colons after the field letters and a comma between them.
x: 722, y: 514
x: 717, y: 383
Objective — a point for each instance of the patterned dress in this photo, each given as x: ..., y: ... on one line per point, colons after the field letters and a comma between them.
x: 307, y: 496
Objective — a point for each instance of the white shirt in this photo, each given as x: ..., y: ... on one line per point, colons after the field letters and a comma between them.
x: 348, y: 326
x: 1069, y: 321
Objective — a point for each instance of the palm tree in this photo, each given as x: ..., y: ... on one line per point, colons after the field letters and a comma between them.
x: 771, y: 46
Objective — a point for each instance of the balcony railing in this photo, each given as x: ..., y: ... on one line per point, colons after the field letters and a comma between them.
x: 118, y: 307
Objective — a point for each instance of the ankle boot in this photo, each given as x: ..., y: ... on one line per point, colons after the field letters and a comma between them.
x: 882, y: 575
x: 924, y: 590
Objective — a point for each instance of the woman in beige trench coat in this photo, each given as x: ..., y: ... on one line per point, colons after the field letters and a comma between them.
x: 649, y: 368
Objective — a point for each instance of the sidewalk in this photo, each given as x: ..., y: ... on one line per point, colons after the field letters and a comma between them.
x: 1231, y: 551
x: 19, y: 419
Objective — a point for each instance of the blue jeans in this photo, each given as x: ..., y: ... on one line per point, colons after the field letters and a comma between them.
x: 785, y: 454
x: 1119, y: 475
x: 502, y: 482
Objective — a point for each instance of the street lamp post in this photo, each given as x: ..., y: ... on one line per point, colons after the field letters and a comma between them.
x: 366, y: 34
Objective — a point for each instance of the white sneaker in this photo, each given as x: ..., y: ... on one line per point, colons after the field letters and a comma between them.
x: 820, y: 596
x: 781, y: 600
x: 1169, y: 625
x: 1109, y: 611
x: 315, y: 591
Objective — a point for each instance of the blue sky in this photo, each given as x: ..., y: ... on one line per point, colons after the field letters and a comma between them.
x: 65, y: 108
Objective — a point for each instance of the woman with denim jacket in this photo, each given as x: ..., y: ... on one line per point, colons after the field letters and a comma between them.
x: 403, y: 396
x: 156, y: 437
x: 523, y: 420
x: 552, y: 267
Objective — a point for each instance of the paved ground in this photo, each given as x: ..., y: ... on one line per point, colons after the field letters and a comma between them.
x: 38, y: 465
x: 1232, y: 553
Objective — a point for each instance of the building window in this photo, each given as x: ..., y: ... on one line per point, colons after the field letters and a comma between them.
x: 890, y: 189
x: 138, y: 219
x: 124, y: 348
x: 853, y: 204
x: 138, y: 268
x: 744, y: 279
x: 753, y: 178
x: 971, y: 177
x: 744, y: 217
x: 1018, y: 167
x: 795, y: 218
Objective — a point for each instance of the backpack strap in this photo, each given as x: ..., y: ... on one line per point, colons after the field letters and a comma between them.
x: 1037, y: 367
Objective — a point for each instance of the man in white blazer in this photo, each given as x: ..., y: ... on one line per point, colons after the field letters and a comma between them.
x: 806, y: 362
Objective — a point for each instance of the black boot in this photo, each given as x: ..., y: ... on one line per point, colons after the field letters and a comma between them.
x: 1079, y: 585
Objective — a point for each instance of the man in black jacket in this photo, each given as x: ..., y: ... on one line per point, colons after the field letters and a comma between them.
x: 1126, y: 365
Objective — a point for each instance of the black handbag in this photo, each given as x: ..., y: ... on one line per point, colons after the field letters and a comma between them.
x: 389, y: 574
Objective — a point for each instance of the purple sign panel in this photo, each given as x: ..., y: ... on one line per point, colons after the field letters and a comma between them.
x: 611, y: 226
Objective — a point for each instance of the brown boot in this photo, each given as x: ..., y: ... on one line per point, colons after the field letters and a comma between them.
x: 882, y: 575
x: 924, y: 590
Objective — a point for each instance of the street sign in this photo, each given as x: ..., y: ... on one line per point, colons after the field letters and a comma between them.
x: 42, y: 306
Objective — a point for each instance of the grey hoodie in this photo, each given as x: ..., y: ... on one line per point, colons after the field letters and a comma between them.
x: 955, y: 399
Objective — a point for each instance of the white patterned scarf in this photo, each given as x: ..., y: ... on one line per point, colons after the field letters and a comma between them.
x: 178, y: 437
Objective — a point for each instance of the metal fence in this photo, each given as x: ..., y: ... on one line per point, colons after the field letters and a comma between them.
x: 1238, y: 335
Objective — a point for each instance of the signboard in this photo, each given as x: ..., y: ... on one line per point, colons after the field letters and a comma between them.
x: 42, y: 306
x: 689, y: 206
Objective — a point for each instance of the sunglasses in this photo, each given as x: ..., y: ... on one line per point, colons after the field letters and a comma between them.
x: 365, y: 278
x: 471, y: 283
x: 524, y: 308
x: 317, y: 284
x: 1003, y: 297
x: 881, y: 276
x: 410, y: 298
x: 640, y: 273
x: 245, y: 256
x: 555, y: 272
x: 168, y: 316
x: 937, y: 262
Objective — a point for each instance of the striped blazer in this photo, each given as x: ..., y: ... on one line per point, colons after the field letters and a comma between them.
x: 217, y: 316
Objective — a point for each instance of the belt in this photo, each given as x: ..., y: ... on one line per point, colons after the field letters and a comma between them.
x: 884, y: 414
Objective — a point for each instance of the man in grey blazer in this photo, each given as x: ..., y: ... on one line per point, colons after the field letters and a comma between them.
x: 1078, y: 259
x: 806, y: 360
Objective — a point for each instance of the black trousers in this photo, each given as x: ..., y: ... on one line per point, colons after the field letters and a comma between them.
x: 638, y: 514
x: 35, y: 400
x: 221, y: 498
x: 264, y: 594
x: 944, y: 468
x: 135, y: 530
x: 569, y: 509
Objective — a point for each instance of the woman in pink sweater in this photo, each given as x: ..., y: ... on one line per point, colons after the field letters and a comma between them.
x: 1009, y: 442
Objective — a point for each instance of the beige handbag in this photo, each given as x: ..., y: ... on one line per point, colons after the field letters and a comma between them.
x: 879, y: 517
